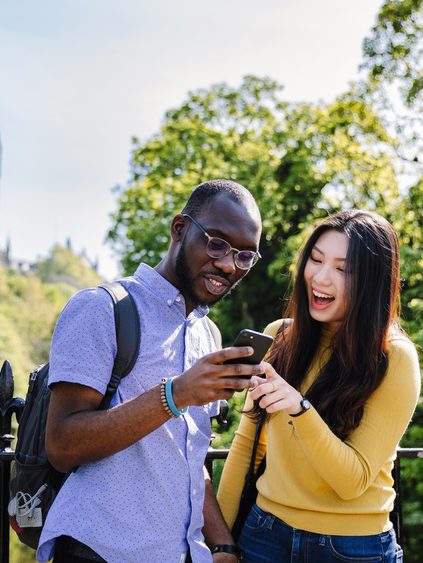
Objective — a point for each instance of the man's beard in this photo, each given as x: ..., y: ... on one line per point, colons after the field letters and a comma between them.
x: 186, y: 281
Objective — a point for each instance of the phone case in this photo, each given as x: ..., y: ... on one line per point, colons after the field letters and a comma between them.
x: 257, y: 340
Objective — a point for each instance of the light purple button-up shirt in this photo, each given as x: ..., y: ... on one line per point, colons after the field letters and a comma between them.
x: 145, y: 503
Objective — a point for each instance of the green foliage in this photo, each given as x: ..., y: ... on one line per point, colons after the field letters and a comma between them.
x: 299, y: 161
x: 393, y: 59
x: 63, y: 266
x: 410, y: 224
x: 30, y: 305
x: 394, y: 50
x: 20, y: 553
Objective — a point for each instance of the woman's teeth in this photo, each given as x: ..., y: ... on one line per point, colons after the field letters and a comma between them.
x: 322, y: 296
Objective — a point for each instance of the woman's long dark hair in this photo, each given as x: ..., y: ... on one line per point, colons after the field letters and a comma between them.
x: 358, y: 358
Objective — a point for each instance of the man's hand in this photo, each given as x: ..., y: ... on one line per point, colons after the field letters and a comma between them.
x: 210, y: 379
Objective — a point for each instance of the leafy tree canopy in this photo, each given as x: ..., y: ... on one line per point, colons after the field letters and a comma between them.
x: 300, y: 161
x: 393, y: 59
x: 64, y: 266
x: 394, y: 50
x: 30, y: 305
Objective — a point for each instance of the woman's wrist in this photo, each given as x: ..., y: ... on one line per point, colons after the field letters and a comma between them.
x: 304, y: 406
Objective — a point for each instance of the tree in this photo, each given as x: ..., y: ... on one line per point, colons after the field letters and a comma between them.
x: 64, y: 266
x: 30, y: 305
x: 300, y: 161
x: 393, y: 59
x: 394, y: 51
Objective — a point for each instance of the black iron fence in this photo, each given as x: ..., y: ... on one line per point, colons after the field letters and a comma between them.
x: 10, y: 406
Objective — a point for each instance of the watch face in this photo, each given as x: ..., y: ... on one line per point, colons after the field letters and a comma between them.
x: 305, y: 404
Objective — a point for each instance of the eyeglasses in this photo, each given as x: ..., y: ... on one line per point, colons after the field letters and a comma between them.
x: 218, y: 248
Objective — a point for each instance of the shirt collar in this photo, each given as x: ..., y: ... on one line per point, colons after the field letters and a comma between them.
x: 164, y: 290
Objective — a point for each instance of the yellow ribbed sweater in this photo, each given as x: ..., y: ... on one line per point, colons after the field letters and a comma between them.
x: 314, y: 481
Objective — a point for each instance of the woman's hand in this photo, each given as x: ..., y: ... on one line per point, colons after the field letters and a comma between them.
x: 276, y: 394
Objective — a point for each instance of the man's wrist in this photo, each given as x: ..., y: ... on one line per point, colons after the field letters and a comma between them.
x: 226, y: 548
x: 179, y: 394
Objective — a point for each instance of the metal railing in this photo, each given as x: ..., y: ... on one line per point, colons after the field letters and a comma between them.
x: 10, y: 405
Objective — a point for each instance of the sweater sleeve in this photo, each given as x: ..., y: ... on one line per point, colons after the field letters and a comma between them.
x: 350, y: 467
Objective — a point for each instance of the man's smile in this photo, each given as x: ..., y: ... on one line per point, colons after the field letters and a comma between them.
x: 216, y: 285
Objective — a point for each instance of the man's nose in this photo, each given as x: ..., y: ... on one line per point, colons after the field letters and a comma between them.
x: 226, y: 263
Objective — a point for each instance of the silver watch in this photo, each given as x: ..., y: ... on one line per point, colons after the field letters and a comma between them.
x: 305, y: 406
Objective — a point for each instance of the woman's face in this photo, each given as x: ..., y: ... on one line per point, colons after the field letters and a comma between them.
x: 324, y: 277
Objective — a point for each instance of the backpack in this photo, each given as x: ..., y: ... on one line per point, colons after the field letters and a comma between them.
x: 34, y: 482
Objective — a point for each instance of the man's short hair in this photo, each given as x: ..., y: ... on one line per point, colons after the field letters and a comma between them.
x: 205, y: 192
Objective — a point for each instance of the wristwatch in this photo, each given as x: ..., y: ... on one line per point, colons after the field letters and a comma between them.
x: 305, y: 406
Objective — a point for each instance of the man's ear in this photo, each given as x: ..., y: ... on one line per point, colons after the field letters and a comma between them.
x: 177, y: 228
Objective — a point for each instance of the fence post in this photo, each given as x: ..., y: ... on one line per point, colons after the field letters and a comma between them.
x: 8, y: 406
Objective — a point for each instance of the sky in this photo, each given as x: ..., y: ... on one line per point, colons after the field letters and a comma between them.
x: 80, y: 78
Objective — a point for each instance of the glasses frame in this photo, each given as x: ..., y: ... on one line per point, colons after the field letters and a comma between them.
x: 236, y: 251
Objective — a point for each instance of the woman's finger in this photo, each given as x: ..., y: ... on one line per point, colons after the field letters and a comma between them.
x: 265, y: 387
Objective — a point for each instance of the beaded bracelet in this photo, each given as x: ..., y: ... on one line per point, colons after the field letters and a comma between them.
x: 163, y: 398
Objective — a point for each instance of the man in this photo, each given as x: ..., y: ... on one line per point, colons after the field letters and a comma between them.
x: 139, y: 493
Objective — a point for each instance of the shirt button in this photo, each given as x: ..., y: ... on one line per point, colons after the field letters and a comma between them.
x: 190, y: 447
x: 194, y: 491
x: 178, y: 298
x: 169, y: 302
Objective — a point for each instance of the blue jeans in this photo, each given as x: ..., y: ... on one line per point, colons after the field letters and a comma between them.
x: 266, y: 539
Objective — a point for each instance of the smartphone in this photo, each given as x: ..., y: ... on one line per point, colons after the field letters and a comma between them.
x: 257, y: 340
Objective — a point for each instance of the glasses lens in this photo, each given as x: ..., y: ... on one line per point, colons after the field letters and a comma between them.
x: 245, y: 259
x: 217, y: 247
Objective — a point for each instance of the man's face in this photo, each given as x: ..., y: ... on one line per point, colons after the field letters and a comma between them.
x: 204, y: 280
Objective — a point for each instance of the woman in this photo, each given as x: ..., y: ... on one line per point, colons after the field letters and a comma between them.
x: 340, y: 388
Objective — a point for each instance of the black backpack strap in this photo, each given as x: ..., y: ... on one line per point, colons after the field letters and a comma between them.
x: 250, y: 472
x: 127, y: 325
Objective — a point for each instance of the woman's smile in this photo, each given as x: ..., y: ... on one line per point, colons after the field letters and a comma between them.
x: 321, y: 300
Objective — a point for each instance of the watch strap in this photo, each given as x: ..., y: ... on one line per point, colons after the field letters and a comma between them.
x: 226, y: 548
